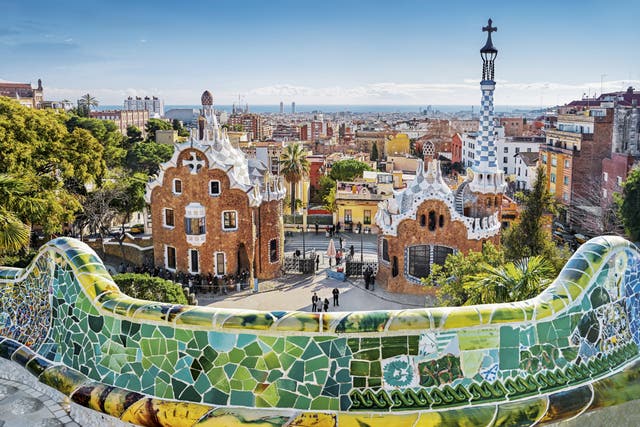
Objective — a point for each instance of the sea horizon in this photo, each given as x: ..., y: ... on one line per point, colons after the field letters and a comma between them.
x: 350, y: 108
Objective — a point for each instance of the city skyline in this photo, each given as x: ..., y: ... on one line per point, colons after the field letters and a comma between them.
x: 412, y: 53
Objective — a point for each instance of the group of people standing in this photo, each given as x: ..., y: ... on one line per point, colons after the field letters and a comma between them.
x: 318, y: 304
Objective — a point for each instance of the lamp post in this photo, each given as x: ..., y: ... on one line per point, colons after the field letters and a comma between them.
x: 304, y: 249
x: 361, y: 247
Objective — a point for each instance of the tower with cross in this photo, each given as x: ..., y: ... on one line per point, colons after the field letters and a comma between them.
x: 487, y: 177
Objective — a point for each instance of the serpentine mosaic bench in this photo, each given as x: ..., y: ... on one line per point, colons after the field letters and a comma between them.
x: 572, y: 349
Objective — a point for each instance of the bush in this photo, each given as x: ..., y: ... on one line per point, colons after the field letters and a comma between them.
x: 20, y: 260
x: 150, y: 288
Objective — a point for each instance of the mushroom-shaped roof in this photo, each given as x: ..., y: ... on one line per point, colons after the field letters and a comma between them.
x: 207, y: 98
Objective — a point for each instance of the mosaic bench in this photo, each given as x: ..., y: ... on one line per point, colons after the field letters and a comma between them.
x: 572, y: 349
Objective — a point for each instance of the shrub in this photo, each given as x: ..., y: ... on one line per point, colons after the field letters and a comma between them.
x: 150, y: 288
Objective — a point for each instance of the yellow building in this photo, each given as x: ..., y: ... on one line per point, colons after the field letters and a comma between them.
x: 399, y: 144
x: 357, y: 204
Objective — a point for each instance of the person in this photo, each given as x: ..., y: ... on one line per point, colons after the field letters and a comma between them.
x: 330, y: 262
x: 372, y: 279
x: 335, y: 293
x: 314, y: 302
x: 326, y: 305
x: 338, y: 227
x: 352, y: 251
x: 317, y: 227
x: 296, y: 254
x: 340, y: 242
x: 367, y: 276
x: 317, y: 262
x: 338, y: 257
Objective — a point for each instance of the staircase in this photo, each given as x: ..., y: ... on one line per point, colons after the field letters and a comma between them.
x: 459, y: 199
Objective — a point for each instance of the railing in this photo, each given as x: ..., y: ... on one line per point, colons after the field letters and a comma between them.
x: 357, y: 268
x: 300, y: 265
x: 346, y: 195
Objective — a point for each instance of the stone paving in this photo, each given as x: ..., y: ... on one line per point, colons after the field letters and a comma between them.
x: 294, y: 292
x: 21, y: 405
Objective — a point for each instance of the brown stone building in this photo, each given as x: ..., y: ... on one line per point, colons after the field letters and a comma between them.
x: 214, y: 210
x: 23, y: 93
x: 123, y: 118
x: 421, y: 225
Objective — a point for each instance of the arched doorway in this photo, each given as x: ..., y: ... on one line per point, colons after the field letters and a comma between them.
x: 243, y: 259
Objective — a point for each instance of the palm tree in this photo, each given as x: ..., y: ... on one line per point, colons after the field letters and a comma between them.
x: 14, y: 234
x: 87, y: 101
x: 294, y: 167
x: 514, y: 281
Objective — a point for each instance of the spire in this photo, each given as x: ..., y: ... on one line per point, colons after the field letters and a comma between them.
x: 488, y: 53
x: 487, y: 177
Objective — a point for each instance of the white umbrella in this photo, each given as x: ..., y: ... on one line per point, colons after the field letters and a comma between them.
x: 331, y: 250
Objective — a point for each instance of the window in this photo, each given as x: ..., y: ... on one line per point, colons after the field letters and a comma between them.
x: 347, y: 216
x: 169, y: 220
x: 194, y: 226
x: 565, y: 197
x: 506, y: 149
x: 544, y: 159
x: 273, y: 250
x: 504, y: 169
x: 517, y: 150
x: 605, y: 176
x: 553, y: 177
x: 170, y: 257
x: 604, y: 193
x: 367, y: 217
x: 440, y: 254
x: 220, y: 263
x: 423, y: 220
x: 529, y: 150
x: 567, y: 164
x: 505, y: 160
x: 394, y: 267
x: 214, y: 188
x: 194, y: 262
x: 554, y: 161
x: 229, y: 220
x: 441, y: 221
x: 565, y: 180
x: 419, y: 257
x: 385, y: 250
x: 432, y: 220
x: 177, y: 186
x: 619, y: 180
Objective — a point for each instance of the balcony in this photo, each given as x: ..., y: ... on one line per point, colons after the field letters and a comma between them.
x: 196, y: 239
x: 347, y: 195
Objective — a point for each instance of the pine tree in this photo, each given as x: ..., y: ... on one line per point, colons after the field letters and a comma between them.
x: 374, y: 152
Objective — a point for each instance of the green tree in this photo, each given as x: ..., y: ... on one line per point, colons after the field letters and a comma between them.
x: 374, y: 152
x: 628, y: 204
x: 348, y: 170
x: 150, y: 288
x: 514, y: 281
x: 147, y: 156
x: 107, y: 133
x: 294, y: 167
x: 154, y: 125
x: 177, y: 126
x: 450, y: 277
x: 86, y: 103
x: 330, y: 200
x: 14, y: 234
x: 527, y: 237
x: 325, y: 184
x: 134, y: 135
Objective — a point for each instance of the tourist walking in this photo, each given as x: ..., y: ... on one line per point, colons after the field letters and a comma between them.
x: 340, y: 242
x: 326, y: 305
x: 314, y: 302
x: 335, y: 293
x: 317, y: 226
x: 317, y: 262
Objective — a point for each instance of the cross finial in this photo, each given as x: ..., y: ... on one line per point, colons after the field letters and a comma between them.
x: 489, y: 28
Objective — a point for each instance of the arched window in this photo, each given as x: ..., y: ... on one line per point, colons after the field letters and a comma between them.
x: 394, y: 267
x: 423, y: 220
x: 489, y: 202
x: 432, y: 220
x: 441, y: 221
x: 497, y: 202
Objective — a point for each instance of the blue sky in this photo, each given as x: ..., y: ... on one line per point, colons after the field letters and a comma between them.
x: 320, y: 52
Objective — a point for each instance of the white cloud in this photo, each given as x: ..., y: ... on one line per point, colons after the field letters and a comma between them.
x: 465, y: 92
